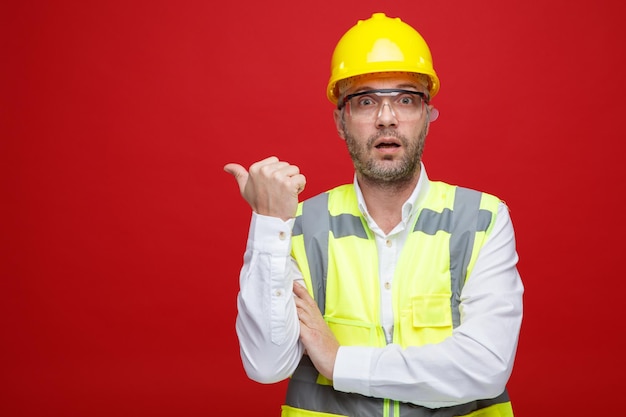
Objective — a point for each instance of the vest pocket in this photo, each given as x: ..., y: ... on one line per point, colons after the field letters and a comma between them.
x: 354, y: 333
x: 428, y: 321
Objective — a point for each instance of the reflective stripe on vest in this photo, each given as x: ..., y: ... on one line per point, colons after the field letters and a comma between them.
x: 315, y: 210
x: 452, y: 216
x: 324, y: 399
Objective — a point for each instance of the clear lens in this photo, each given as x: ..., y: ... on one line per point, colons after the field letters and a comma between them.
x: 404, y: 104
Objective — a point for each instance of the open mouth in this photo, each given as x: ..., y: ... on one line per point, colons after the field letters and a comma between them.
x: 384, y: 145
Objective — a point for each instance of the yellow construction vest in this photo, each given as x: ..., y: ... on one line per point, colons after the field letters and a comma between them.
x: 336, y: 252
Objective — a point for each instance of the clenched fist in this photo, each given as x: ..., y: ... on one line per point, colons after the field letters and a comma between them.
x: 270, y: 186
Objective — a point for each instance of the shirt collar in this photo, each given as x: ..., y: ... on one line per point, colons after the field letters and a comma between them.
x: 410, y: 206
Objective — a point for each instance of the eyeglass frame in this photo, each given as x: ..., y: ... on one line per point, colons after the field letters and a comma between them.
x: 424, y: 97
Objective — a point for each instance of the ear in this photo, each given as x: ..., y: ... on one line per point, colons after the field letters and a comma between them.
x: 433, y: 112
x: 339, y: 123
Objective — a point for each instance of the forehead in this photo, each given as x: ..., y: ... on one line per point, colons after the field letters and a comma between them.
x: 385, y: 80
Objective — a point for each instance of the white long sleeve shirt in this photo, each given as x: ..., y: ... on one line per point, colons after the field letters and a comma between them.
x: 474, y: 363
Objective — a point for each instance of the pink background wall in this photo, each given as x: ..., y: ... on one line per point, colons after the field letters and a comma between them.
x: 121, y: 237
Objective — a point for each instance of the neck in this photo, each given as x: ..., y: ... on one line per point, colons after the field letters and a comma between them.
x: 384, y: 200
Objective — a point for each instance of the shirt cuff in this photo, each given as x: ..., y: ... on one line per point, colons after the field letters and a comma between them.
x: 270, y: 234
x: 353, y: 369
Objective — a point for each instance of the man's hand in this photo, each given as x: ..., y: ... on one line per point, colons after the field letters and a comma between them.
x: 320, y: 343
x: 271, y: 187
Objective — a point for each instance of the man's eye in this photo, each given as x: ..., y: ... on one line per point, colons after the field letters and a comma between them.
x: 406, y: 100
x: 366, y: 102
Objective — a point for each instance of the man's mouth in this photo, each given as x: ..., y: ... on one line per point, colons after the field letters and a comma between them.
x: 387, y: 145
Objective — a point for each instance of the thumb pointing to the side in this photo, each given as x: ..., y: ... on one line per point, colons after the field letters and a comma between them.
x: 240, y: 174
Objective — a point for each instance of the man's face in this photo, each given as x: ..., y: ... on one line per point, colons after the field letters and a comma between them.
x: 387, y: 146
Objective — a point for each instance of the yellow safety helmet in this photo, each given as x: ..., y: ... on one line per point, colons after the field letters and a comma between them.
x: 380, y: 44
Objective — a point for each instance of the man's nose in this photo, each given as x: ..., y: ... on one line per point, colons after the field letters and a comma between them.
x: 386, y: 115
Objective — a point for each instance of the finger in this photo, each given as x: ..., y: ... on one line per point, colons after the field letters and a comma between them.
x: 303, y: 296
x: 300, y: 290
x: 288, y: 169
x: 306, y: 318
x: 281, y: 171
x: 239, y: 172
x: 300, y: 181
x: 276, y: 169
x: 292, y: 173
x: 266, y: 163
x: 268, y: 160
x: 289, y: 175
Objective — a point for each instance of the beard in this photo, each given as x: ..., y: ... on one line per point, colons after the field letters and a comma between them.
x: 385, y: 173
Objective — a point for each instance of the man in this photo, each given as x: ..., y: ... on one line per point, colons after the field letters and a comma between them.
x: 391, y: 296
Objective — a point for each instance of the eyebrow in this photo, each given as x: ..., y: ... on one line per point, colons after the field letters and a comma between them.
x: 401, y: 86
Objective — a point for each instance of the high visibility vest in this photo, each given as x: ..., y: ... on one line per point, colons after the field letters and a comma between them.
x: 336, y: 252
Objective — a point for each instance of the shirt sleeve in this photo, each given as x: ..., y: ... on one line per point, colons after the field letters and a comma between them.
x: 267, y: 324
x: 474, y: 363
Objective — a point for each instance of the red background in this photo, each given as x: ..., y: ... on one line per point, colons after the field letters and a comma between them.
x: 122, y: 238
